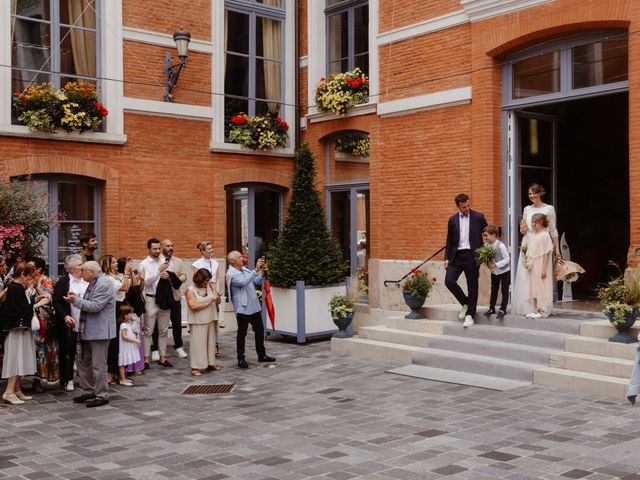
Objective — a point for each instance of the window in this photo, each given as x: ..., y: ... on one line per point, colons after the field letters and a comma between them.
x: 571, y: 67
x: 79, y: 206
x: 53, y: 41
x: 347, y: 35
x: 254, y: 57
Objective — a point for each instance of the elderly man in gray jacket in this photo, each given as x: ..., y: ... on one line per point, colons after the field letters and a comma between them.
x: 97, y: 327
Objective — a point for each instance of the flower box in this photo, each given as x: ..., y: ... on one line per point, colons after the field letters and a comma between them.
x: 342, y: 91
x: 44, y: 108
x: 258, y: 133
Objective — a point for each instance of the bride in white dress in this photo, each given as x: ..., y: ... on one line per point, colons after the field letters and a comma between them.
x: 520, y: 305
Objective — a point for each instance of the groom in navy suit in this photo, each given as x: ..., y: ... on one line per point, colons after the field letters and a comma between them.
x: 464, y: 237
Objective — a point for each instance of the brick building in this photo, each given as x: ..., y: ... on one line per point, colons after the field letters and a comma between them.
x: 465, y: 95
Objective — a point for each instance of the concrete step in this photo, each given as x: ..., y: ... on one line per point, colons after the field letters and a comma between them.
x: 477, y: 364
x: 426, y: 326
x: 509, y: 335
x: 374, y: 349
x: 580, y: 362
x: 601, y: 347
x: 459, y: 378
x: 582, y: 382
x: 381, y: 333
x: 603, y: 329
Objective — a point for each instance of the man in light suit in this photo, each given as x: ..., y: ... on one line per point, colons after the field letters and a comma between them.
x: 97, y: 327
x: 464, y: 237
x: 242, y: 294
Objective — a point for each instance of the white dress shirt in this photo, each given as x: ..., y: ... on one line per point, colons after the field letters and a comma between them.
x: 208, y: 264
x: 151, y: 269
x: 463, y: 243
x: 79, y: 287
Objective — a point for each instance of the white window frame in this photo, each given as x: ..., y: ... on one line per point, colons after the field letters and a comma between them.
x: 110, y: 66
x: 288, y: 112
x: 317, y: 57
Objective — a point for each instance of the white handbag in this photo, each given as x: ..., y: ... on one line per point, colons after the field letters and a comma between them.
x: 35, y: 323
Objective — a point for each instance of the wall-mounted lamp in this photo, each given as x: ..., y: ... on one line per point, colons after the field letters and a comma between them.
x: 172, y: 71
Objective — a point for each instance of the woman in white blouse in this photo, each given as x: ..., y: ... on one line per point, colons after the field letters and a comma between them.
x: 213, y: 267
x: 520, y: 305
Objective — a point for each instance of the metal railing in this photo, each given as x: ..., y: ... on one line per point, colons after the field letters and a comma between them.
x: 397, y: 282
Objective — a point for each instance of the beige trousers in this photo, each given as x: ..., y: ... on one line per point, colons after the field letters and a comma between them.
x: 202, y: 345
x: 163, y: 317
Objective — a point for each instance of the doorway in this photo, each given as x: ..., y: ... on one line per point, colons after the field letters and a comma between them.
x: 578, y: 150
x: 254, y: 216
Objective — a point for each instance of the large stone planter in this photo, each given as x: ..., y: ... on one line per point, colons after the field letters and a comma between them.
x: 623, y: 335
x: 303, y: 311
x: 343, y: 324
x: 415, y: 304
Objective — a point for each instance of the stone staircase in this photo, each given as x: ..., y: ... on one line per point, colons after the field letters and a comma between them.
x: 569, y: 350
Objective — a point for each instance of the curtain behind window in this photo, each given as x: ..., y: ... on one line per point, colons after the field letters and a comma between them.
x: 83, y: 43
x: 272, y: 50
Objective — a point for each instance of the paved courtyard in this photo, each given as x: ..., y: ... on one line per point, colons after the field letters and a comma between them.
x: 318, y: 415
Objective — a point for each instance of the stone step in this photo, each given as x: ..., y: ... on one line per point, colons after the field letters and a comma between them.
x: 603, y: 329
x: 477, y: 364
x: 509, y: 335
x: 459, y: 378
x: 582, y: 382
x: 601, y: 347
x: 381, y: 333
x: 365, y: 348
x: 426, y: 326
x: 580, y: 362
x: 556, y: 323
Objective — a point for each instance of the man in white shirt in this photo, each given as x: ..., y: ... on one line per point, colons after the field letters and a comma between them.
x: 68, y: 316
x: 152, y: 269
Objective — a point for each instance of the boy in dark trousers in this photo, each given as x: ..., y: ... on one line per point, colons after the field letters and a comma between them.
x: 500, y: 271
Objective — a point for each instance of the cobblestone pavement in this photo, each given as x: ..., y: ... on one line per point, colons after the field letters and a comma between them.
x: 318, y: 415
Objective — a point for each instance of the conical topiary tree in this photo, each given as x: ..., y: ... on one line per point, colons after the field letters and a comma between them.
x: 304, y: 249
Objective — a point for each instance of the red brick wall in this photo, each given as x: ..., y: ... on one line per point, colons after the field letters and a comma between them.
x: 395, y: 13
x: 166, y: 16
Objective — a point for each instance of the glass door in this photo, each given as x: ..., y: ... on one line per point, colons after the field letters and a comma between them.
x: 254, y: 215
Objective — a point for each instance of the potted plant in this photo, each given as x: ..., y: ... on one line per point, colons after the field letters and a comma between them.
x: 415, y: 290
x: 342, y: 91
x: 75, y: 107
x: 356, y: 144
x: 305, y: 264
x: 620, y: 300
x: 341, y: 307
x: 258, y: 133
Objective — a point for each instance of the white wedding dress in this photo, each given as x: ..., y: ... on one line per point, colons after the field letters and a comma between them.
x: 520, y: 305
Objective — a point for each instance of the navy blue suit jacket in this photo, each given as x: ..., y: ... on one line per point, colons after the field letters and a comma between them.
x: 477, y: 222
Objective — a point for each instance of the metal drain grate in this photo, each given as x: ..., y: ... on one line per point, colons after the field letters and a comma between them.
x: 205, y: 389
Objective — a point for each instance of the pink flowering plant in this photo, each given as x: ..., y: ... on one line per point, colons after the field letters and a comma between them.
x: 25, y: 220
x: 342, y: 91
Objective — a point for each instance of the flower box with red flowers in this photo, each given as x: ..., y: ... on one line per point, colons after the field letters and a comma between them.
x: 258, y: 133
x: 342, y: 91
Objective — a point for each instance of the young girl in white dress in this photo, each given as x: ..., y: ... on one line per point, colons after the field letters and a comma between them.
x: 538, y: 262
x: 129, y: 352
x: 520, y: 304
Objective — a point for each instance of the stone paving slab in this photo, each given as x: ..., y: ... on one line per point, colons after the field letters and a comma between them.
x: 322, y: 416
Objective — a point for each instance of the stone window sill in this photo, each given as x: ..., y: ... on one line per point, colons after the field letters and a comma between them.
x: 223, y: 147
x: 316, y: 116
x: 87, y: 137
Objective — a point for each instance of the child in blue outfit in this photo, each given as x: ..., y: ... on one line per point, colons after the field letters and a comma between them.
x: 500, y: 271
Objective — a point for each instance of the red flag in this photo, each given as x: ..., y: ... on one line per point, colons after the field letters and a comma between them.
x: 268, y: 302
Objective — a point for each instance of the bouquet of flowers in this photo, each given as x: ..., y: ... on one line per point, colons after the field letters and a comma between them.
x: 258, y: 133
x: 355, y: 144
x: 44, y: 108
x: 485, y: 255
x: 418, y: 283
x: 342, y: 91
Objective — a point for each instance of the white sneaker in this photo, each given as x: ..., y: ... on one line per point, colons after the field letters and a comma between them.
x: 181, y: 353
x: 468, y: 321
x: 463, y: 313
x: 155, y: 356
x: 69, y: 386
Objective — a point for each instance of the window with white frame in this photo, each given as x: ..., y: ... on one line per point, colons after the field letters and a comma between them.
x: 53, y: 41
x: 254, y: 57
x: 347, y: 24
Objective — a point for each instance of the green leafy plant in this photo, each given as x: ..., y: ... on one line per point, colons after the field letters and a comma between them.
x: 44, y: 108
x: 485, y: 255
x: 258, y: 133
x: 620, y: 296
x: 355, y: 144
x: 418, y: 283
x: 341, y: 305
x: 304, y: 250
x: 25, y: 219
x: 342, y: 91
